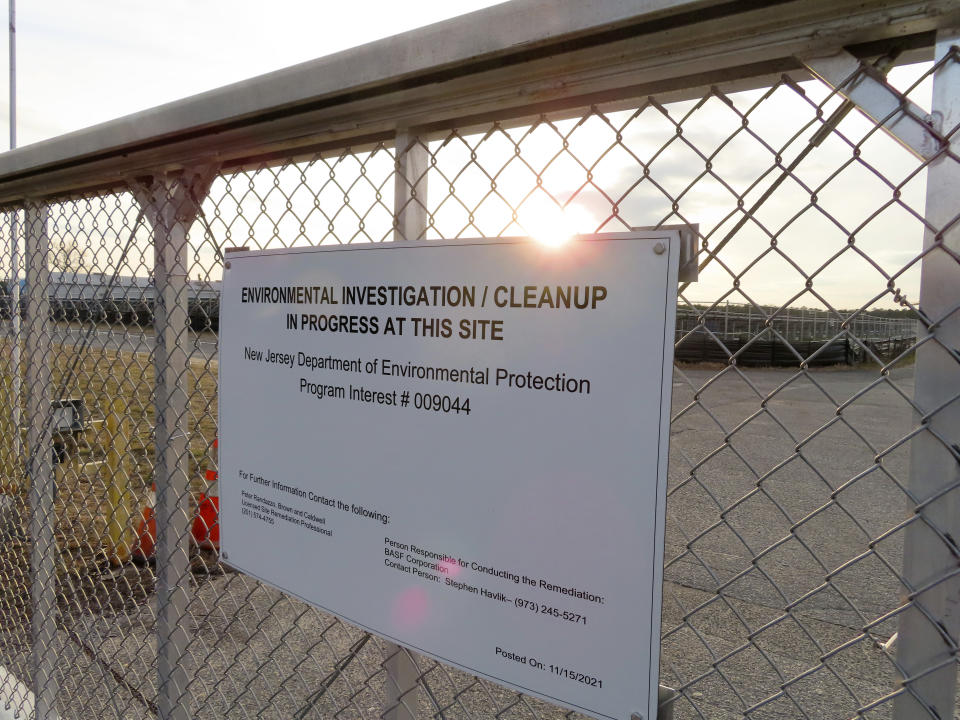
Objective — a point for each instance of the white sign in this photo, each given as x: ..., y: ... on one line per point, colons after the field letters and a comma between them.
x: 462, y: 447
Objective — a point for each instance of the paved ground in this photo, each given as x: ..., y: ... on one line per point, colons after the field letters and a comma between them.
x: 763, y: 506
x: 775, y: 518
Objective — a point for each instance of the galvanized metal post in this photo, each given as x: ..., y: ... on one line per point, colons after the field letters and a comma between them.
x: 12, y: 47
x: 16, y: 381
x: 930, y: 626
x: 401, y: 691
x: 172, y: 481
x: 43, y: 519
x: 410, y: 187
x: 15, y: 415
x: 171, y: 206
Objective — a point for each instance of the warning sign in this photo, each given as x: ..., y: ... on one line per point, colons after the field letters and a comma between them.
x: 461, y: 446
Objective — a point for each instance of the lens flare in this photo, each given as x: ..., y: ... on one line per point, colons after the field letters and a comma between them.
x: 411, y: 608
x: 549, y: 224
x: 450, y: 567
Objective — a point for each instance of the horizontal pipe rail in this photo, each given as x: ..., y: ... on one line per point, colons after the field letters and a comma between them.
x: 540, y: 57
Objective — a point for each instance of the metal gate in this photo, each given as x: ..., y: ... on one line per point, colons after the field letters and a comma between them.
x: 811, y: 565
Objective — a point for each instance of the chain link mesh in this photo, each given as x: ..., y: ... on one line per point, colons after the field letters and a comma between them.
x: 793, y: 410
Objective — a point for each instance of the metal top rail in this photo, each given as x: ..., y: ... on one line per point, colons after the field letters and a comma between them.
x: 535, y: 55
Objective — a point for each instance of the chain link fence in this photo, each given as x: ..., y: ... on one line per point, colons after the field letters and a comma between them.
x: 810, y: 565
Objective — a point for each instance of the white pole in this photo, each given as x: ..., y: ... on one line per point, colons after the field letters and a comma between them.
x: 412, y: 160
x: 43, y: 553
x: 13, y: 73
x: 14, y: 250
x: 929, y: 624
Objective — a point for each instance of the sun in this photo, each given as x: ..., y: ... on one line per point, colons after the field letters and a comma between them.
x: 549, y: 224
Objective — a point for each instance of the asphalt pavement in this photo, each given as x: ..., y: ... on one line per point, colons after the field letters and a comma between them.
x: 780, y: 484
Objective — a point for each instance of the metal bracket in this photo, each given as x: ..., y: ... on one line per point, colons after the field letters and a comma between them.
x: 865, y: 86
x: 689, y: 247
x: 667, y: 696
x: 175, y: 198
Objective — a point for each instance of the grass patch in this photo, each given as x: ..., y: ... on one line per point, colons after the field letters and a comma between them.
x: 83, y: 508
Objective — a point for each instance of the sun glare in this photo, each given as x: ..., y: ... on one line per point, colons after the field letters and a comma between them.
x: 549, y: 224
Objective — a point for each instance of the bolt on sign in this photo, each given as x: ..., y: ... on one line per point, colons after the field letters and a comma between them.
x: 462, y: 447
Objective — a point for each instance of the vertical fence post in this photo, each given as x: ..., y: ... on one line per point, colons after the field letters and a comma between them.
x: 43, y: 518
x: 172, y: 508
x: 171, y: 205
x: 928, y: 632
x: 410, y: 224
x: 410, y: 187
x: 16, y: 382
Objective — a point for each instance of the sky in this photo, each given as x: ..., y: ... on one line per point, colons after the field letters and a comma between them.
x: 80, y: 64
